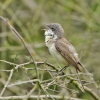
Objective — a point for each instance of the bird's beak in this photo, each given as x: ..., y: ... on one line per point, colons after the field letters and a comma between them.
x: 44, y: 29
x: 47, y: 26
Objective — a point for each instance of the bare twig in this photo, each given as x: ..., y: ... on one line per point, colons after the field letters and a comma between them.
x: 32, y: 90
x: 10, y: 63
x: 41, y: 96
x: 11, y: 73
x: 90, y: 91
x: 23, y: 82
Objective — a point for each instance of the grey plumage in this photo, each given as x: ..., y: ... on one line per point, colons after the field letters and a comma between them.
x: 56, y: 28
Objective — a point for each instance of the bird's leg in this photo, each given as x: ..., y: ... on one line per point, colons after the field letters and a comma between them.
x: 61, y: 70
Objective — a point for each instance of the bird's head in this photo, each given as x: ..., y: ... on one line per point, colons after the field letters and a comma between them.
x: 55, y: 30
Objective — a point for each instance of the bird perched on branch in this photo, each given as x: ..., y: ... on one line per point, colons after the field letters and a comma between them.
x: 59, y: 47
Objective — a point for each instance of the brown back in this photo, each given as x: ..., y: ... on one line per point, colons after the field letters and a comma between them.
x: 68, y: 52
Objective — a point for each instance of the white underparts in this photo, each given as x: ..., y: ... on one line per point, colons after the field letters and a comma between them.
x: 50, y: 39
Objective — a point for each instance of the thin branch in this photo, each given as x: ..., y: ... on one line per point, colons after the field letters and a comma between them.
x: 90, y: 91
x: 10, y: 63
x: 32, y: 90
x: 23, y: 82
x: 11, y: 73
x: 57, y: 97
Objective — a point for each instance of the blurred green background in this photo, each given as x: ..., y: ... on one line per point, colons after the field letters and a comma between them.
x: 79, y: 18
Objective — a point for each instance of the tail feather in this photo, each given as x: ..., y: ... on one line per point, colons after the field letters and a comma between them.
x: 80, y: 64
x: 77, y: 68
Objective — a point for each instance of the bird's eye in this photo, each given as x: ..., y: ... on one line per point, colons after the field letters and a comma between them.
x: 51, y: 35
x: 52, y: 29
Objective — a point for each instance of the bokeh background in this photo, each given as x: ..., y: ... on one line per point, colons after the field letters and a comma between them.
x: 79, y: 18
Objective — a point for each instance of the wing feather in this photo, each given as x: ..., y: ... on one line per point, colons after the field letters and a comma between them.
x: 67, y: 51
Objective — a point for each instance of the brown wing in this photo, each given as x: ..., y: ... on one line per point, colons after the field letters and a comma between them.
x: 67, y: 51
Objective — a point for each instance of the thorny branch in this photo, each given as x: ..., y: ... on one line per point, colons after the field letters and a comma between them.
x: 44, y: 85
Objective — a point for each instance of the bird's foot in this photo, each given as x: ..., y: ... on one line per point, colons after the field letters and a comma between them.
x: 61, y: 71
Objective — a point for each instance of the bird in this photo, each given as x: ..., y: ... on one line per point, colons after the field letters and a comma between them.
x: 60, y: 48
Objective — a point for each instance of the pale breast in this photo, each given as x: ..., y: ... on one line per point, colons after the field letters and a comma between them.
x: 56, y: 54
x: 50, y: 43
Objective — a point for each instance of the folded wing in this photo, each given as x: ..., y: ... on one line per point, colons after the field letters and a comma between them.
x: 68, y: 52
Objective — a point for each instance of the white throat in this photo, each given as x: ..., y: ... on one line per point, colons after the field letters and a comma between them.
x: 48, y: 37
x: 51, y: 34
